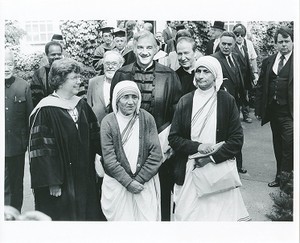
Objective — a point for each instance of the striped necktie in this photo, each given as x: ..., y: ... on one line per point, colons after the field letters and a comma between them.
x: 230, y: 62
x: 280, y: 64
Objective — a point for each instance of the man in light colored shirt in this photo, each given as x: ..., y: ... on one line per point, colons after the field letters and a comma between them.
x: 274, y: 101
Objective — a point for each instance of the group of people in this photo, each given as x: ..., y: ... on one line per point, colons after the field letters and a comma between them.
x: 142, y: 125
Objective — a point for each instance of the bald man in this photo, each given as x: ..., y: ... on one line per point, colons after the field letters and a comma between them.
x: 18, y: 106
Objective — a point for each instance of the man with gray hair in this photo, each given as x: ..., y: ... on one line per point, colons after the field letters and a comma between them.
x: 18, y: 106
x: 161, y: 89
x: 99, y: 87
x: 233, y: 81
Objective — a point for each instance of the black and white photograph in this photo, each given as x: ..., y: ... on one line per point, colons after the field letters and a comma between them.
x: 150, y: 121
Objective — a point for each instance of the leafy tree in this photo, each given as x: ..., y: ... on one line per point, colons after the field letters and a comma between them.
x: 200, y: 29
x: 262, y: 34
x: 82, y: 38
x: 13, y: 33
x: 25, y: 64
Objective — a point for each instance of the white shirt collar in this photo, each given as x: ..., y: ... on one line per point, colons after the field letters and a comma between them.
x: 286, y: 56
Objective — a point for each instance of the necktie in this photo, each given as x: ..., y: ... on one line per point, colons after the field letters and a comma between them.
x: 230, y: 62
x: 242, y: 51
x: 280, y: 64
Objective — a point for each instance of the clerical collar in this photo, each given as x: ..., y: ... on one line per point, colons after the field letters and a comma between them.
x: 9, y: 82
x: 190, y: 70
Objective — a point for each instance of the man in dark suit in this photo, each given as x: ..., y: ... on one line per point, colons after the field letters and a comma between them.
x: 215, y: 32
x: 18, y: 106
x: 40, y: 87
x: 169, y: 32
x: 274, y: 100
x: 232, y: 76
x: 241, y: 50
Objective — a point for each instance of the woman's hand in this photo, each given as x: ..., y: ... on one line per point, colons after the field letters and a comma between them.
x: 135, y: 187
x: 55, y: 191
x: 200, y: 162
x: 205, y: 148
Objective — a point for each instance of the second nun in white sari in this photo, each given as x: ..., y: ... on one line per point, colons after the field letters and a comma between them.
x: 203, y: 118
x: 131, y: 158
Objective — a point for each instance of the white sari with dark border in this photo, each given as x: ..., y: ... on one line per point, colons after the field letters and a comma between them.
x: 224, y: 206
x: 118, y: 204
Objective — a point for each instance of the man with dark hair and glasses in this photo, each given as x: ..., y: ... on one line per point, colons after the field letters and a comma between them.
x: 247, y: 59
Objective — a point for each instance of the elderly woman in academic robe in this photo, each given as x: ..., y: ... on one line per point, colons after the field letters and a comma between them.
x: 64, y: 138
x: 132, y: 155
x: 203, y: 118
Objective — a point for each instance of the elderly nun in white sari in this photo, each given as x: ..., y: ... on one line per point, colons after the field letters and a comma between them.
x: 206, y: 124
x: 131, y: 157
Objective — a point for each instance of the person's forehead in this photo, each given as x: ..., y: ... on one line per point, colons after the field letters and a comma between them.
x: 184, y: 44
x: 147, y: 40
x: 107, y: 34
x: 54, y: 48
x: 112, y: 57
x: 202, y: 68
x: 120, y: 38
x: 227, y: 39
x: 9, y: 58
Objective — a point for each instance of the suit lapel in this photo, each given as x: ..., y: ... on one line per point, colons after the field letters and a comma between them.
x: 268, y: 72
x: 238, y: 52
x: 228, y: 68
x: 291, y: 74
x: 99, y: 90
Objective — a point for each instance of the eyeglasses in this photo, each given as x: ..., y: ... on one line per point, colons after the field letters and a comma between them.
x: 114, y: 64
x: 238, y: 34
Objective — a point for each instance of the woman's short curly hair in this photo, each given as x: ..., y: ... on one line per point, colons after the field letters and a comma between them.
x: 60, y: 69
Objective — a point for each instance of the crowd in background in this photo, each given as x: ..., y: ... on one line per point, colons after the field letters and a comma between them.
x: 122, y: 151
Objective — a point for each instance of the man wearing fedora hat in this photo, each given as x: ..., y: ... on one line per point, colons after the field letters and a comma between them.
x: 216, y: 30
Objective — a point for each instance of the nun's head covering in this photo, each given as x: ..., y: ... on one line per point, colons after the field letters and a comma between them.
x: 214, y: 66
x: 124, y: 88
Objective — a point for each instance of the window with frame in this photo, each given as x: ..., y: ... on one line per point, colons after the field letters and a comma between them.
x: 39, y: 32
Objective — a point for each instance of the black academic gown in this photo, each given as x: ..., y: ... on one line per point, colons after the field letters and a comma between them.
x: 63, y: 155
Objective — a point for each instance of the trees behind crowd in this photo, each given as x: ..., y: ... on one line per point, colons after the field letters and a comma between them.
x: 83, y: 36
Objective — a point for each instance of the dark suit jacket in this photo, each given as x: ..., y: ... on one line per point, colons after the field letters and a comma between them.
x: 262, y: 91
x: 166, y: 93
x: 232, y: 83
x: 170, y: 45
x: 228, y: 129
x: 18, y: 106
x: 245, y: 66
x: 40, y: 87
x: 95, y: 97
x: 210, y: 47
x: 167, y: 34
